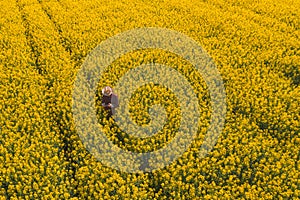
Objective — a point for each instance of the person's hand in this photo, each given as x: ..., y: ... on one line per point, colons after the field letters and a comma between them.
x: 106, y: 105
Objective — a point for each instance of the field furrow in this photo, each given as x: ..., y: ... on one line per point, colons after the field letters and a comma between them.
x: 53, y: 62
x: 29, y: 143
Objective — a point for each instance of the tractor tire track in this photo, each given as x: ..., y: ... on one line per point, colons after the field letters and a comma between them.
x: 29, y: 38
x: 47, y: 49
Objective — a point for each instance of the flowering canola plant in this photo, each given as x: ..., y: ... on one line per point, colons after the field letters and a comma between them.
x: 255, y: 46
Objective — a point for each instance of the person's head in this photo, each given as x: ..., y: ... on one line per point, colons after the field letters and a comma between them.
x: 107, y: 91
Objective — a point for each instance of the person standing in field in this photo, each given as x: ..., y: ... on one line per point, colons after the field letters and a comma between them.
x: 110, y: 101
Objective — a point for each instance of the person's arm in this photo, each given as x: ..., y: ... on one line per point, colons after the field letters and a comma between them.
x: 104, y: 104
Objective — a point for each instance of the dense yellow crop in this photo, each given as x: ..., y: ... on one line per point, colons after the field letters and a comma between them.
x: 255, y: 46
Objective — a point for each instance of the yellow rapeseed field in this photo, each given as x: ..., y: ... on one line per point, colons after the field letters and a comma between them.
x: 256, y: 48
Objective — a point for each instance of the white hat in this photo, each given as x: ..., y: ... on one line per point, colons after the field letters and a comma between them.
x: 107, y: 91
